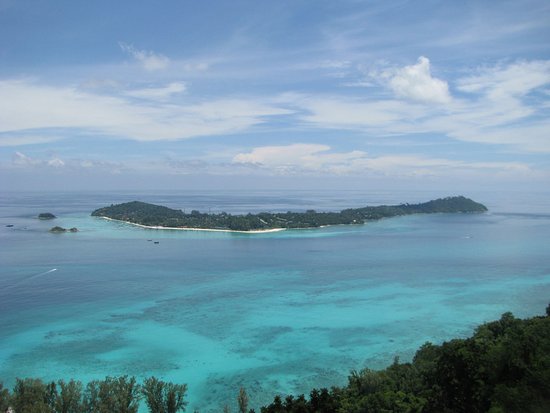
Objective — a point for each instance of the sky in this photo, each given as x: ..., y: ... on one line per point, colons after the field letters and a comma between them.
x: 258, y: 94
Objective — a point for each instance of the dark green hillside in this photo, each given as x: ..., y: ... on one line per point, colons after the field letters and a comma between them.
x: 154, y: 215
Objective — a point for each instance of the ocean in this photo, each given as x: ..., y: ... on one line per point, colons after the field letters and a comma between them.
x: 276, y: 313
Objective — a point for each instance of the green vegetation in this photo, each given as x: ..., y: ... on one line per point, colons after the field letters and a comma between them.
x: 242, y: 400
x: 46, y: 215
x: 503, y: 368
x: 163, y: 397
x: 58, y: 229
x: 154, y: 215
x: 111, y: 395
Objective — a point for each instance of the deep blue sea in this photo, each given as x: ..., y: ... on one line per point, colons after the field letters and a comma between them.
x: 276, y: 313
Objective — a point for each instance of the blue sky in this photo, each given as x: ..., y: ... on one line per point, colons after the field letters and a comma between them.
x: 259, y: 94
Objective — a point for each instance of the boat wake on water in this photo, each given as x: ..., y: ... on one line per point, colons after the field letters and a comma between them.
x: 41, y: 274
x: 32, y: 277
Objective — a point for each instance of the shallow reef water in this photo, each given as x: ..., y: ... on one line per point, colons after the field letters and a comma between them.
x: 276, y: 313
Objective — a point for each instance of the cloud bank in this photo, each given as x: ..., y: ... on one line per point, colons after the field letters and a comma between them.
x: 29, y: 106
x: 505, y: 106
x: 322, y: 159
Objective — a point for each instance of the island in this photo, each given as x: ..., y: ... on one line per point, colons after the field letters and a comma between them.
x: 161, y: 217
x: 59, y: 230
x: 46, y: 215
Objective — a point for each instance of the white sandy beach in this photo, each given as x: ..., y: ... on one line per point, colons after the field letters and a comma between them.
x: 255, y: 231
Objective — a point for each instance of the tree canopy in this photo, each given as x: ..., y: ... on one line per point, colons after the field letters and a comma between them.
x: 503, y: 367
x: 143, y: 213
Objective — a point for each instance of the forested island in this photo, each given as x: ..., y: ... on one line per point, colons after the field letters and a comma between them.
x: 150, y: 215
x: 46, y: 215
x: 504, y: 367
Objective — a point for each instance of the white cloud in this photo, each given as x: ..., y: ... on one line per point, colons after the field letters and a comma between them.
x: 100, y: 84
x: 26, y: 106
x: 517, y: 79
x: 196, y: 66
x: 293, y: 159
x: 303, y: 158
x: 19, y: 159
x: 415, y: 82
x: 298, y: 157
x: 22, y: 160
x: 506, y: 105
x: 418, y: 165
x: 280, y: 155
x: 151, y: 61
x: 20, y: 140
x: 350, y: 113
x: 158, y: 93
x: 56, y: 163
x: 534, y: 137
x: 336, y: 64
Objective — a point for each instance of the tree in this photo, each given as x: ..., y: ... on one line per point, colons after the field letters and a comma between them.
x: 275, y: 407
x: 163, y: 397
x: 152, y: 390
x: 91, y: 400
x: 174, y: 394
x: 242, y: 399
x: 126, y: 394
x: 4, y: 398
x: 112, y: 395
x: 69, y: 397
x: 33, y: 396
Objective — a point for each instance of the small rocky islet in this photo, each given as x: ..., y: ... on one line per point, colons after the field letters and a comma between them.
x: 46, y: 215
x: 59, y: 230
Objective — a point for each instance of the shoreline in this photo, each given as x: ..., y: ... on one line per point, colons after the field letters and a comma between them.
x: 254, y: 231
x: 163, y: 216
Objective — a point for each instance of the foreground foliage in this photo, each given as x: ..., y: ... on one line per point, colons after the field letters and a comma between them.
x: 111, y: 395
x: 154, y: 215
x: 503, y: 368
x: 163, y: 397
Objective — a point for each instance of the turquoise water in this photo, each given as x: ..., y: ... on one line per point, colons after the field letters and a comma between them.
x: 275, y: 313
